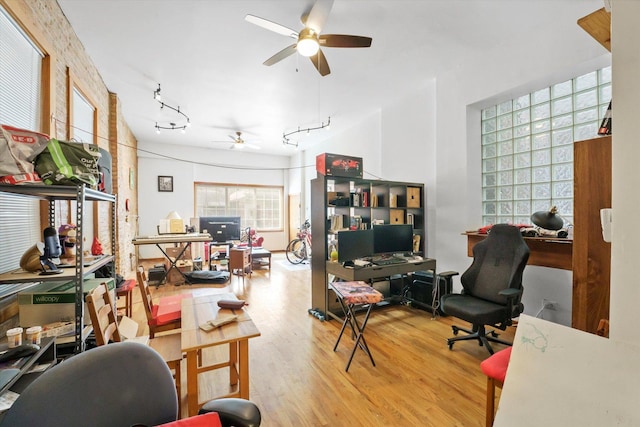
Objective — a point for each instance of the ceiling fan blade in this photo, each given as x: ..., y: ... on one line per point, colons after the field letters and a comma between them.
x: 318, y: 15
x: 233, y: 138
x: 343, y: 40
x: 320, y: 62
x: 271, y: 26
x: 287, y: 51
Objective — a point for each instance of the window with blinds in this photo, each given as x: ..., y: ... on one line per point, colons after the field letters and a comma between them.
x: 20, y: 97
x: 259, y: 207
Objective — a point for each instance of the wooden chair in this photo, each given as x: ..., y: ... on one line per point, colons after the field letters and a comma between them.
x: 155, y: 324
x: 103, y: 316
x: 105, y: 328
x: 495, y: 368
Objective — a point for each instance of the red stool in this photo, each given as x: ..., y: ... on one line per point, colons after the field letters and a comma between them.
x: 495, y: 368
x: 126, y: 291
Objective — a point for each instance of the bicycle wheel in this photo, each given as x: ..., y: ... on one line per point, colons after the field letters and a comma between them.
x: 296, y: 251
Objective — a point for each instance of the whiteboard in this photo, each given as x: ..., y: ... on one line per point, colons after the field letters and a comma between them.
x: 559, y: 376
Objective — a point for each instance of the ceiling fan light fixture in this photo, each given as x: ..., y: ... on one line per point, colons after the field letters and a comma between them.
x: 308, y: 42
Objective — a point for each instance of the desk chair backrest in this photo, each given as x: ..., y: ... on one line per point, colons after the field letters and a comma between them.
x: 120, y: 384
x: 103, y: 317
x: 498, y: 263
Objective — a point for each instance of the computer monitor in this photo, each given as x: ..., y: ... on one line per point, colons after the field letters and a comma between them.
x: 353, y: 245
x: 392, y: 238
x: 221, y: 228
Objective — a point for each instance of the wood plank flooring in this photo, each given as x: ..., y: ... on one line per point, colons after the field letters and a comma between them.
x: 297, y: 380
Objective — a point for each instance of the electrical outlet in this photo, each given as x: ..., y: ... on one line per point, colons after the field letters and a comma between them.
x: 549, y: 305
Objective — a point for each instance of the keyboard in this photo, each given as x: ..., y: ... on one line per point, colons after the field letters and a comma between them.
x: 388, y: 261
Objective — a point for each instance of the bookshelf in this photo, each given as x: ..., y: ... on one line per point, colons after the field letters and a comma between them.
x: 342, y: 203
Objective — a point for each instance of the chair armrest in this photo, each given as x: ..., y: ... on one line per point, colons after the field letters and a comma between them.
x: 448, y: 274
x: 510, y: 293
x: 234, y: 412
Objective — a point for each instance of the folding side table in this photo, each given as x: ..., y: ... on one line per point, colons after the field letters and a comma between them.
x: 353, y: 295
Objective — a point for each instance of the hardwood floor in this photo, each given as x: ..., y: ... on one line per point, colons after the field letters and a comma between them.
x: 297, y: 379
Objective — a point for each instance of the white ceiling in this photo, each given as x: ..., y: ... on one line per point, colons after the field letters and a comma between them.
x: 208, y: 59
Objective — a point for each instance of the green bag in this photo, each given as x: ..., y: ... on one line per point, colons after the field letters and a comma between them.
x: 69, y: 163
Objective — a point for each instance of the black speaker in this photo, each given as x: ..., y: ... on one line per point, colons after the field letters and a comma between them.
x: 157, y: 274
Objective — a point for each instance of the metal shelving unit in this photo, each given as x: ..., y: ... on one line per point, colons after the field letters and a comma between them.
x: 81, y: 195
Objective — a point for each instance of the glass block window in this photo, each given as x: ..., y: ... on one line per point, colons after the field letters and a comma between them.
x: 527, y: 147
x: 258, y: 207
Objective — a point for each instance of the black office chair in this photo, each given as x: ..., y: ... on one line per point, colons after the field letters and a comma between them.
x: 120, y: 384
x: 492, y: 286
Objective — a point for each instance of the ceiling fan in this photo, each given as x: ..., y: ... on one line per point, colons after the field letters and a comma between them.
x: 238, y: 142
x: 309, y: 39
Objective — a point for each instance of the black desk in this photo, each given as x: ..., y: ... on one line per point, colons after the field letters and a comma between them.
x: 352, y: 274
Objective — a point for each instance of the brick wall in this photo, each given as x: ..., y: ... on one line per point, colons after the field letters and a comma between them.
x: 44, y: 21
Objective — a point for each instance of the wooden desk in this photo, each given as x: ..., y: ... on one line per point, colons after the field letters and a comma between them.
x: 544, y: 251
x: 196, y: 311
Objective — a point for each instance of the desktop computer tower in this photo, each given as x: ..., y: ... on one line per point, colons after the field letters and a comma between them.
x: 422, y: 287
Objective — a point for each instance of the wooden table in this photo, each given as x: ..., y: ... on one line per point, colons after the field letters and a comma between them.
x: 545, y: 251
x: 196, y: 311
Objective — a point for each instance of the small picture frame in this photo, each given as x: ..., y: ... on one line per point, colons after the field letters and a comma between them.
x: 165, y: 184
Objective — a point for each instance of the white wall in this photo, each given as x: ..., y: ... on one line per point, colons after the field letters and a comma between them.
x: 433, y: 136
x: 625, y: 250
x: 495, y: 75
x: 188, y: 165
x: 360, y: 140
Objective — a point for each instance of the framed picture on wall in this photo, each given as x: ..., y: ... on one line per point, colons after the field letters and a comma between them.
x: 165, y: 183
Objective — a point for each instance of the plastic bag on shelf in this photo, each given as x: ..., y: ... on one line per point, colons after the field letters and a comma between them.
x: 18, y: 149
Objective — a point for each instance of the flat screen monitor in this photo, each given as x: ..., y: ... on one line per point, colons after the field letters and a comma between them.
x: 221, y: 228
x: 354, y: 245
x: 392, y: 238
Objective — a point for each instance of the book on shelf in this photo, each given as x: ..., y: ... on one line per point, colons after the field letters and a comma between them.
x: 410, y: 219
x: 605, y: 127
x: 356, y: 222
x: 337, y: 223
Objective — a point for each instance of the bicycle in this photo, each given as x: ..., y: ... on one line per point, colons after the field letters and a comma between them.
x: 299, y: 249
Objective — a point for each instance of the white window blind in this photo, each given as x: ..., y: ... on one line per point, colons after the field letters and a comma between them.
x: 83, y: 112
x: 20, y: 95
x: 259, y: 207
x: 20, y: 71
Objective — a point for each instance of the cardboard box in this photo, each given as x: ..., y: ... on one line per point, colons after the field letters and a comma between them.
x: 173, y: 252
x: 174, y: 276
x: 338, y: 165
x: 57, y: 329
x: 396, y: 216
x: 413, y: 197
x: 55, y: 302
